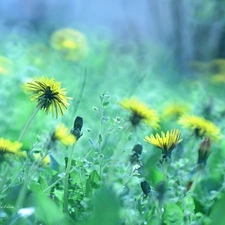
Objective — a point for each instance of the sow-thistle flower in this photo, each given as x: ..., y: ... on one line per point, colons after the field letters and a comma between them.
x: 44, y: 161
x: 140, y: 113
x: 8, y: 147
x: 6, y: 66
x: 71, y: 43
x: 48, y: 94
x: 200, y: 126
x: 175, y: 110
x: 62, y: 134
x: 166, y: 142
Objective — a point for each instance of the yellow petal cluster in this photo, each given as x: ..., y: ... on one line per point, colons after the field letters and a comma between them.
x: 48, y: 94
x: 200, y: 126
x: 63, y: 135
x: 166, y: 141
x: 9, y: 147
x: 140, y: 112
x: 71, y: 43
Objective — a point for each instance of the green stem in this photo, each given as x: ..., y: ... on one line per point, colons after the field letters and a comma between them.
x: 4, y: 178
x: 166, y: 164
x: 66, y: 185
x: 196, y: 180
x: 57, y: 181
x: 28, y: 123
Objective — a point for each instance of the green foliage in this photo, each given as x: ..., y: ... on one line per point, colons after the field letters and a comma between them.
x: 103, y: 183
x: 92, y: 182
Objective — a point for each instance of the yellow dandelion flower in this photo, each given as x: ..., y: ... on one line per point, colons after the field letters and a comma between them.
x: 200, y: 126
x: 63, y: 135
x: 218, y: 78
x: 6, y: 65
x: 71, y: 43
x: 45, y: 161
x: 10, y: 148
x: 175, y: 110
x: 48, y: 94
x: 140, y: 113
x: 167, y: 142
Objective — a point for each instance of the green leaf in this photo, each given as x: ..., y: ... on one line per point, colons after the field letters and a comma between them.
x: 48, y: 212
x: 35, y: 187
x: 173, y: 214
x: 106, y: 208
x: 217, y: 212
x: 43, y: 183
x: 105, y: 104
x: 92, y: 182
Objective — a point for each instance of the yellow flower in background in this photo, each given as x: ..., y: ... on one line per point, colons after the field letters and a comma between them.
x: 63, y: 135
x: 200, y: 126
x: 6, y: 66
x: 218, y: 79
x: 167, y: 142
x: 71, y: 43
x: 37, y: 53
x: 48, y: 94
x: 44, y: 161
x: 175, y: 110
x: 8, y: 147
x: 140, y: 113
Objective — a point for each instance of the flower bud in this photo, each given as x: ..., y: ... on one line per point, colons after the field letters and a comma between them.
x: 204, y: 151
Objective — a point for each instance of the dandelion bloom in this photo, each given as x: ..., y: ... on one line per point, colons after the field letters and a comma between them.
x: 140, y: 113
x: 48, y: 94
x: 200, y: 126
x: 44, y: 161
x: 167, y: 142
x: 10, y: 148
x: 63, y: 135
x: 71, y: 43
x: 175, y: 110
x: 6, y: 66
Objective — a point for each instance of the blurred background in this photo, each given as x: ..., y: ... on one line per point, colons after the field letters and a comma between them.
x: 189, y: 30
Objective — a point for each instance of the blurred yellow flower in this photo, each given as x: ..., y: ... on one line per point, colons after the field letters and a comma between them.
x: 48, y: 94
x: 140, y: 113
x: 200, y: 126
x: 175, y: 110
x: 10, y: 148
x: 167, y: 142
x: 44, y: 161
x: 71, y: 43
x: 62, y: 134
x: 6, y: 66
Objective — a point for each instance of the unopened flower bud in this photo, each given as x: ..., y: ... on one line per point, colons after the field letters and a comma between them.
x: 204, y: 151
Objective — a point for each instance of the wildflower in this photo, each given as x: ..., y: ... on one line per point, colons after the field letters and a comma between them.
x: 204, y: 151
x: 9, y: 148
x: 6, y: 65
x: 140, y: 113
x: 62, y: 134
x: 44, y: 161
x: 167, y: 142
x: 48, y: 94
x: 175, y: 110
x: 71, y: 43
x: 200, y: 126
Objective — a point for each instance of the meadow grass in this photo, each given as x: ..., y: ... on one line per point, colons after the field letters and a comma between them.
x: 139, y: 154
